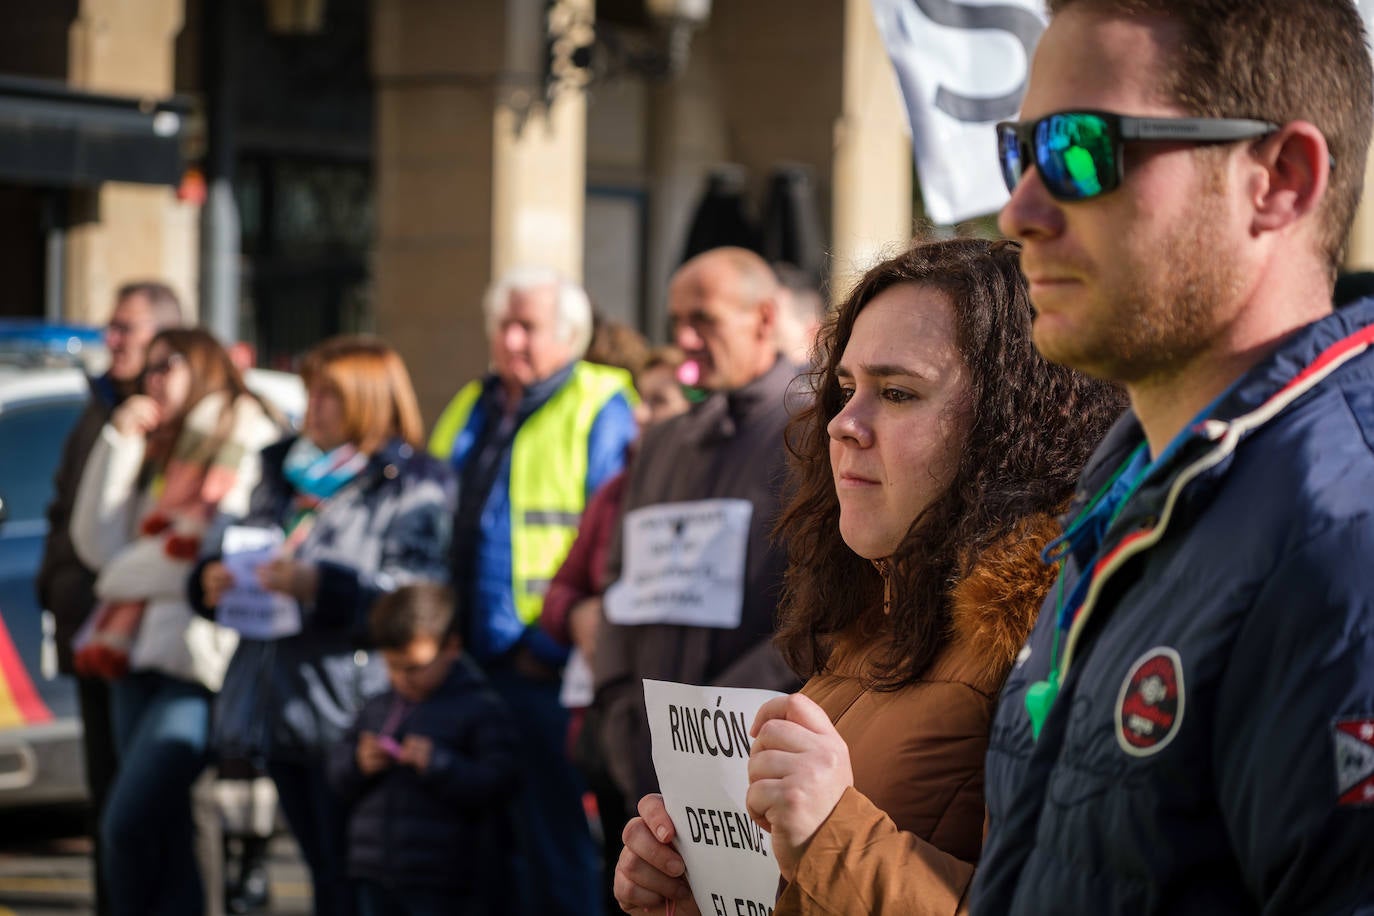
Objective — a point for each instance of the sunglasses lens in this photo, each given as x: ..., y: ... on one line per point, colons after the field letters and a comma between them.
x: 1076, y: 155
x: 1009, y: 155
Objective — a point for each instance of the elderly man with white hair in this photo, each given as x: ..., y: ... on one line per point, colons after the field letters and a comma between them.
x: 530, y: 443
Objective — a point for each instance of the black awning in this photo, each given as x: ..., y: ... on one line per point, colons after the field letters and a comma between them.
x: 54, y: 135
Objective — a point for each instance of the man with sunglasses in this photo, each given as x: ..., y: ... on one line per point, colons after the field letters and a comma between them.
x: 1190, y: 728
x: 65, y: 585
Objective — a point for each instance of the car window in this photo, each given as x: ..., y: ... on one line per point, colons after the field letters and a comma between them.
x: 30, y: 449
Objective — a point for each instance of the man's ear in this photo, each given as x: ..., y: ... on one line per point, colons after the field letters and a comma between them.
x: 768, y: 318
x: 1293, y: 170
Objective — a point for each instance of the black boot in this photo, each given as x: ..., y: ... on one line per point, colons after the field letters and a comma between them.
x: 248, y: 890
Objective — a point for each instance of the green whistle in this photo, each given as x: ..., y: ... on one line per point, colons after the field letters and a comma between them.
x: 1039, y: 698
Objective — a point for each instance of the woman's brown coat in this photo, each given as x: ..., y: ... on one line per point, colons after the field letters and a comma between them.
x: 905, y: 837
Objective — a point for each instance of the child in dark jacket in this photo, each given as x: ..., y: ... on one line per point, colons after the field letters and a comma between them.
x: 426, y: 768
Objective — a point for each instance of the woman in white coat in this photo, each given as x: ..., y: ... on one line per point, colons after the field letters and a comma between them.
x: 167, y: 462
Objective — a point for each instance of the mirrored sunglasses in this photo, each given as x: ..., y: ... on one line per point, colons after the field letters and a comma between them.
x: 1078, y: 154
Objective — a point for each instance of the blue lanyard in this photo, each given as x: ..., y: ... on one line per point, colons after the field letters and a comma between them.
x: 1040, y: 695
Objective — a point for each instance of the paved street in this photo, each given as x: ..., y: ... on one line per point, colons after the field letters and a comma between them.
x: 45, y: 869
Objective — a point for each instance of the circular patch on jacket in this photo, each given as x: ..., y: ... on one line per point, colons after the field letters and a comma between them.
x: 1149, y: 708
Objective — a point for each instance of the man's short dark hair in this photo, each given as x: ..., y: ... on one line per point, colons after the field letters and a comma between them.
x: 166, y: 307
x: 417, y: 611
x: 1279, y: 61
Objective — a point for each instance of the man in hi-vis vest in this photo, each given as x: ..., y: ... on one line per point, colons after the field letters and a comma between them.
x: 530, y: 443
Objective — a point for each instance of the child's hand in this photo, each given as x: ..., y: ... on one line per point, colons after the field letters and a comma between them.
x: 372, y: 758
x: 417, y: 751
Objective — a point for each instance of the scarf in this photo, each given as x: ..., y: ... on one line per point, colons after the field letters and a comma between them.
x: 318, y: 474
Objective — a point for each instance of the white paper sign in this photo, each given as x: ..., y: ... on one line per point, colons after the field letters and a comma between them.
x: 247, y: 607
x: 962, y: 67
x: 683, y: 564
x: 701, y: 746
x: 578, y: 688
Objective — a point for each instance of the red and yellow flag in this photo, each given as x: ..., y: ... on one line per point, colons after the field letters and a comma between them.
x: 20, y: 703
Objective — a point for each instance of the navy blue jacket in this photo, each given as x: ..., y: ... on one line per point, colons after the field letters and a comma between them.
x: 1211, y: 748
x: 436, y: 829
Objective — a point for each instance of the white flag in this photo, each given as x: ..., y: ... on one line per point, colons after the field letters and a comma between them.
x: 962, y: 67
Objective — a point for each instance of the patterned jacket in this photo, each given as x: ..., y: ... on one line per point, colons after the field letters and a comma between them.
x: 291, y: 698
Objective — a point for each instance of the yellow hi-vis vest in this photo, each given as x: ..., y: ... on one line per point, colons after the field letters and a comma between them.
x: 548, y: 473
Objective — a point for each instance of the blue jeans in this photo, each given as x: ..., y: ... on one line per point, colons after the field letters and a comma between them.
x: 376, y: 900
x: 554, y: 868
x: 161, y: 729
x: 318, y: 820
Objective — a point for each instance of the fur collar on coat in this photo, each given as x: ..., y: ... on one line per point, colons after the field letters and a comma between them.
x: 992, y: 610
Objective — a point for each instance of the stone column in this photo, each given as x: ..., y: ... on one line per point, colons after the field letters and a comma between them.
x: 474, y: 175
x: 687, y: 136
x: 125, y: 231
x: 873, y: 164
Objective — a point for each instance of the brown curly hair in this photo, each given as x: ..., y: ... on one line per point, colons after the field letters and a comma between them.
x: 1031, y: 427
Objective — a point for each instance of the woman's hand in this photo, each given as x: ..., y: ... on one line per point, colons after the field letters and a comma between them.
x: 584, y: 620
x: 798, y: 769
x: 137, y: 416
x: 215, y: 580
x: 290, y: 577
x: 650, y: 872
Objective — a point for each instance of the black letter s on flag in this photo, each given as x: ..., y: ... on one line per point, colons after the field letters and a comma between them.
x: 1021, y: 23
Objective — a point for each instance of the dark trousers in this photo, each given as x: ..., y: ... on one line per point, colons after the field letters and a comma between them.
x: 614, y: 814
x: 98, y: 753
x: 554, y: 868
x: 318, y: 820
x: 162, y: 729
x: 376, y: 900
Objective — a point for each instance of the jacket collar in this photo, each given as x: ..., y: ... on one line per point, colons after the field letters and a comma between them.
x: 463, y: 675
x: 106, y: 390
x: 725, y: 412
x: 1302, y: 348
x: 388, y: 461
x: 992, y: 610
x: 1256, y: 387
x: 533, y: 396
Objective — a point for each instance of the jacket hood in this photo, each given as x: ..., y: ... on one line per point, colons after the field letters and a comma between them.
x: 993, y: 608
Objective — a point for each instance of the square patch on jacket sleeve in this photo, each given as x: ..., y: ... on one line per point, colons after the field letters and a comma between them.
x: 1354, y: 750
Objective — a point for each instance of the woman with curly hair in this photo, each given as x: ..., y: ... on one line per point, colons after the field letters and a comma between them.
x: 927, y: 475
x: 168, y: 461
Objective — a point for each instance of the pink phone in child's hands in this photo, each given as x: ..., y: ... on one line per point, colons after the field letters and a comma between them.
x: 389, y: 745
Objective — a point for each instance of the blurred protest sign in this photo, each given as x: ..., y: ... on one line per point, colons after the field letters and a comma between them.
x: 247, y: 607
x: 684, y: 564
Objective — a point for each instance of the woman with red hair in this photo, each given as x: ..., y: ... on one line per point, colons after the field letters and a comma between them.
x: 361, y: 510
